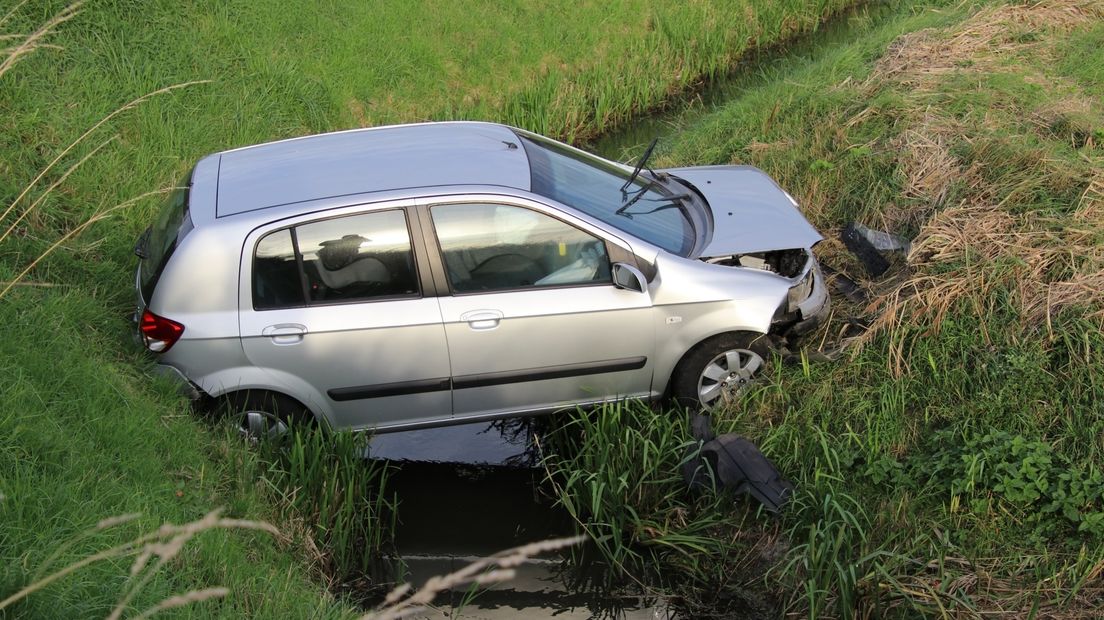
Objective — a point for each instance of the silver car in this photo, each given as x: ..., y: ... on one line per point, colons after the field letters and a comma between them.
x: 421, y: 275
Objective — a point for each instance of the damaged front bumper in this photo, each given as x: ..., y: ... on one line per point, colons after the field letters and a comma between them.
x: 806, y: 306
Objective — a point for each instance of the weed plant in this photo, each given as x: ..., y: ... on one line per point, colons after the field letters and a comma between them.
x: 618, y: 471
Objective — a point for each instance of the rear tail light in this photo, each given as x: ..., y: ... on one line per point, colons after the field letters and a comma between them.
x: 158, y: 333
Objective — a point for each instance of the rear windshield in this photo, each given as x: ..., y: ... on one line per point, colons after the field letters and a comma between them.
x: 172, y: 224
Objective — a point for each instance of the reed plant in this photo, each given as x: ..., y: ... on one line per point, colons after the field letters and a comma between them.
x: 323, y: 478
x: 618, y: 471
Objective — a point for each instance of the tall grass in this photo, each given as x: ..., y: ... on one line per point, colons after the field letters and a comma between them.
x: 943, y: 469
x: 83, y: 433
x: 617, y: 471
x: 323, y: 478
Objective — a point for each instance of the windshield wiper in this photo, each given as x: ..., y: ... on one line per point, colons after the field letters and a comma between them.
x: 667, y: 201
x: 640, y: 164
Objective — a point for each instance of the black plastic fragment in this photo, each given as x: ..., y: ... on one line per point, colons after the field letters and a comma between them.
x: 860, y: 246
x: 850, y: 289
x: 737, y: 464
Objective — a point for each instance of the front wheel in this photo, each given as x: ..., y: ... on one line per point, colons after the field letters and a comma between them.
x: 719, y: 371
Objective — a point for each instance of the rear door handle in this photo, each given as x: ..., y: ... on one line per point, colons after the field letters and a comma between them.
x: 482, y: 319
x: 285, y: 333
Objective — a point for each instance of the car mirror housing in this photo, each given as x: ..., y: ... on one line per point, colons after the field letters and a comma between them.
x: 627, y: 277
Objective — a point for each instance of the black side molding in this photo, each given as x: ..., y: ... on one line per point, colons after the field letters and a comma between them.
x: 401, y: 388
x: 548, y: 372
x: 389, y: 389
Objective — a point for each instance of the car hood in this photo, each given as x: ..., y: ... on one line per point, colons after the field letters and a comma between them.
x: 750, y: 212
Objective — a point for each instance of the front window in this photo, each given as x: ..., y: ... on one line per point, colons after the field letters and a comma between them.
x: 593, y: 186
x: 492, y: 247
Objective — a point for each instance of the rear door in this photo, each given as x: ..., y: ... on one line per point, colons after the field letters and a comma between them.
x: 338, y: 309
x: 533, y: 320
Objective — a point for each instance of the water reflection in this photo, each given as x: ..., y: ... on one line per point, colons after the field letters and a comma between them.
x: 472, y: 490
x: 506, y: 443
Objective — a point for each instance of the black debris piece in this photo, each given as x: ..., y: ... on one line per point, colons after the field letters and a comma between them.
x: 738, y: 466
x: 850, y: 289
x: 860, y: 246
x: 884, y: 241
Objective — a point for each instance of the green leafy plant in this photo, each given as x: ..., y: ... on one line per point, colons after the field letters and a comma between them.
x: 1045, y: 489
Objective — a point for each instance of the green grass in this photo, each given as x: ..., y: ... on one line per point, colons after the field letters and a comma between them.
x: 86, y: 437
x: 85, y: 432
x: 949, y: 467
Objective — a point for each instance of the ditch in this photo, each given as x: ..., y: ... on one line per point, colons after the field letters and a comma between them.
x: 468, y: 491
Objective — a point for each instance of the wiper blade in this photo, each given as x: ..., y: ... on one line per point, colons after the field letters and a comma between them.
x: 640, y: 164
x: 668, y: 202
x: 631, y: 201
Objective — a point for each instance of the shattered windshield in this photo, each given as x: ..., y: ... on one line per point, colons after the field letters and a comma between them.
x: 644, y: 209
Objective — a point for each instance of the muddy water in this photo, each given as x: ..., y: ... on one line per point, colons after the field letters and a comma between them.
x: 469, y: 491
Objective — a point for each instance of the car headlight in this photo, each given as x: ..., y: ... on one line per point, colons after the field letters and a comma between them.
x: 800, y: 291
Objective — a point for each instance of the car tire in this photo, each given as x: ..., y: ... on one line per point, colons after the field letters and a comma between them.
x: 262, y: 416
x: 718, y: 371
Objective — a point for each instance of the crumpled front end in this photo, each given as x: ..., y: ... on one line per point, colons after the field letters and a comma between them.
x: 806, y: 304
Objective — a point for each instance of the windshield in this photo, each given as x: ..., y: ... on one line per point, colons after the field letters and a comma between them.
x: 170, y: 227
x: 644, y: 209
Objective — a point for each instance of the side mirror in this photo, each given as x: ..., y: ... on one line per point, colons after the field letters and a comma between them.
x: 629, y: 278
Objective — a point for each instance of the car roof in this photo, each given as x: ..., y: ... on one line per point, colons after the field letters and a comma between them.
x: 369, y: 160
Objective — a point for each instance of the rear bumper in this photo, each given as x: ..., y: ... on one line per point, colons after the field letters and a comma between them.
x: 183, y: 385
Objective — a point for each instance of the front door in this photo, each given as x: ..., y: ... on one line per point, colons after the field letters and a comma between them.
x: 533, y: 320
x: 338, y: 311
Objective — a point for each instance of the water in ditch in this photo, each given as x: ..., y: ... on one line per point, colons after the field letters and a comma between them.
x: 472, y: 490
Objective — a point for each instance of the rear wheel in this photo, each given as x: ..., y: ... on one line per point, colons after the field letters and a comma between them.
x: 262, y: 416
x: 719, y: 371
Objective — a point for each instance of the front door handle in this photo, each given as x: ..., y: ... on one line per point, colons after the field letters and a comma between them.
x: 482, y: 319
x: 285, y: 333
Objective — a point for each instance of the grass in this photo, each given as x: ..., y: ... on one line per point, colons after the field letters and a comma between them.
x: 341, y: 498
x: 86, y: 437
x: 949, y: 466
x: 86, y: 433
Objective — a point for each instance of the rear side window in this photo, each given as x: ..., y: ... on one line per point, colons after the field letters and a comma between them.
x: 172, y: 224
x: 347, y: 259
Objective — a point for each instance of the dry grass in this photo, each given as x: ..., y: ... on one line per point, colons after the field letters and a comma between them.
x: 921, y: 59
x: 27, y: 44
x: 958, y: 588
x: 966, y: 251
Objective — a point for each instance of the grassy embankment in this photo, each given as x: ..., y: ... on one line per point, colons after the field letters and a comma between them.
x: 951, y: 462
x: 84, y: 432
